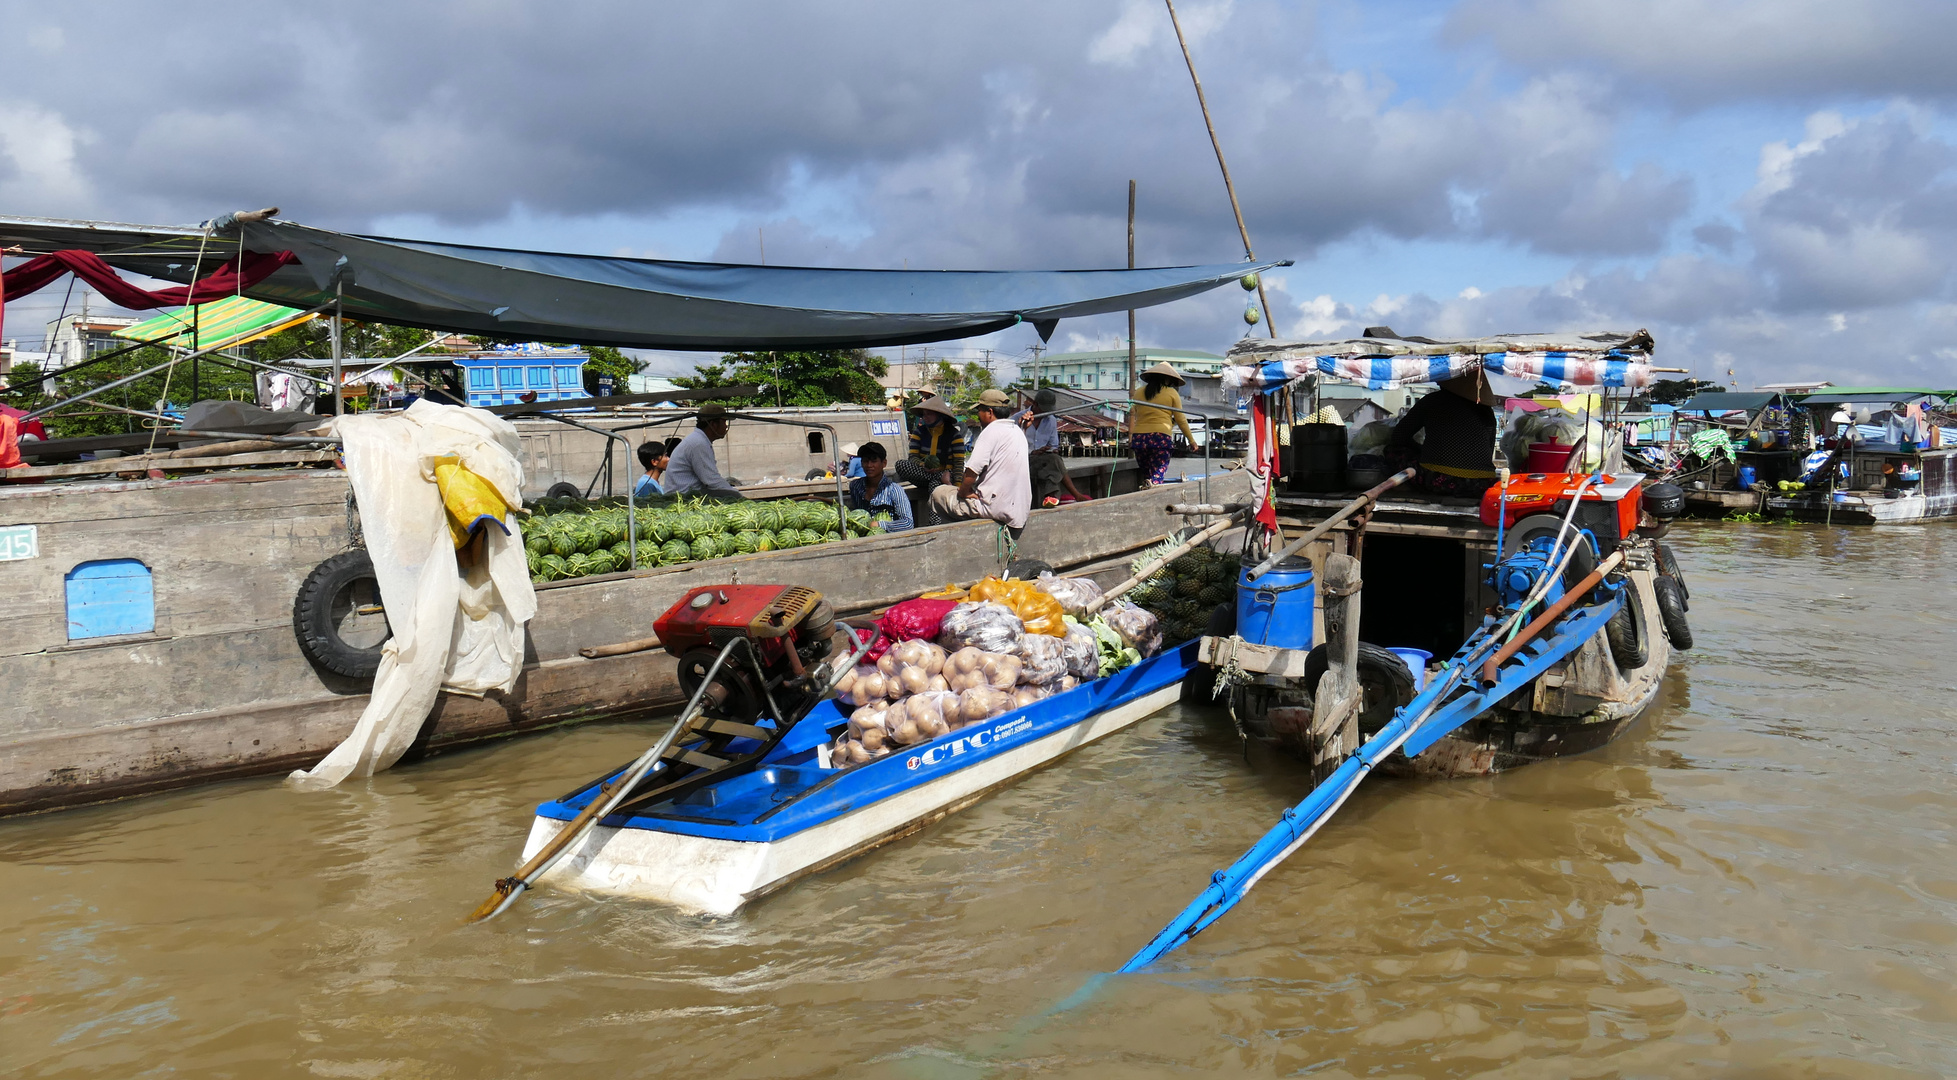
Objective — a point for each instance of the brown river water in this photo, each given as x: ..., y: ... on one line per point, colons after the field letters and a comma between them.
x: 1758, y: 880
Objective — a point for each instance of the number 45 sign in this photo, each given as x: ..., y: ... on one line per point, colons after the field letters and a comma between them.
x: 19, y: 542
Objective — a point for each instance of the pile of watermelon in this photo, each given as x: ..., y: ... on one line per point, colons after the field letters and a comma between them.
x: 569, y: 538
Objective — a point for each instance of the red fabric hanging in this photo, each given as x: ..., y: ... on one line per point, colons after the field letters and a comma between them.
x: 234, y: 276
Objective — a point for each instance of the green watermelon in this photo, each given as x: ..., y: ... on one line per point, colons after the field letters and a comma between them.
x: 563, y: 544
x: 535, y: 560
x: 673, y: 552
x: 621, y: 556
x: 553, y: 567
x: 704, y: 548
x: 767, y: 517
x: 860, y: 522
x: 600, y: 562
x: 536, y: 542
x: 578, y: 565
x: 765, y: 540
x: 788, y: 538
x: 747, y: 541
x: 810, y: 536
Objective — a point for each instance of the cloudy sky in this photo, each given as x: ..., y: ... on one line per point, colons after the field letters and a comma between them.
x: 1766, y: 184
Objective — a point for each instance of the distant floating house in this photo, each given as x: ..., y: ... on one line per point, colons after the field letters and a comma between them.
x: 507, y: 375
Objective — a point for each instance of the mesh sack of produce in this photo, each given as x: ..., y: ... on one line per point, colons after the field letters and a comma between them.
x: 987, y: 626
x: 982, y: 703
x: 1081, y: 651
x: 1043, y: 659
x: 1074, y: 594
x: 912, y: 620
x: 920, y: 718
x: 1038, y: 612
x: 1140, y: 629
x: 864, y: 686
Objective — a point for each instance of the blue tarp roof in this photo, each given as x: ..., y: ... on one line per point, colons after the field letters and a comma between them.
x: 644, y: 303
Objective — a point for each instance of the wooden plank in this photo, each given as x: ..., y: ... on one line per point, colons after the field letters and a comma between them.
x: 1262, y: 659
x: 146, y: 462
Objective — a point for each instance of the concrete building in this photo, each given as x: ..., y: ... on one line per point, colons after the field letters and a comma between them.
x: 75, y: 337
x: 1107, y: 370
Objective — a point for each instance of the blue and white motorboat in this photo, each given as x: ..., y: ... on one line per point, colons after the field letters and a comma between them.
x: 716, y: 846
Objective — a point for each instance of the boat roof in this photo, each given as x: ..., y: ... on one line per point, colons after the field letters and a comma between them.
x: 635, y: 303
x: 1860, y: 395
x: 1732, y: 401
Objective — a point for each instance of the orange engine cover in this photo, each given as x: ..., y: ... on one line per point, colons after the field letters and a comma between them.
x: 713, y: 614
x: 1615, y: 515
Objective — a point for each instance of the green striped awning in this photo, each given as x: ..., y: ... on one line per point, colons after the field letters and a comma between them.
x: 233, y: 320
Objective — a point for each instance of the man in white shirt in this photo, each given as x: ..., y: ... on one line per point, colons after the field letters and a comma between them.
x: 996, y: 485
x: 692, y: 469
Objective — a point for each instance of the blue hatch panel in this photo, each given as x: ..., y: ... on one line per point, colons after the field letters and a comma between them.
x: 110, y: 597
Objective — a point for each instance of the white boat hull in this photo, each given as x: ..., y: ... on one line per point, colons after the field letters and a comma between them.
x: 705, y: 875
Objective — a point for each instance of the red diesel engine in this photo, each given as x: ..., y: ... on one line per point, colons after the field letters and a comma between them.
x: 787, y: 630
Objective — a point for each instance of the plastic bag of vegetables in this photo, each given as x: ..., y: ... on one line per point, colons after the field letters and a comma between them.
x: 987, y: 626
x: 1037, y: 611
x: 1074, y: 594
x: 1137, y: 628
x: 1115, y: 652
x: 1043, y: 658
x: 1082, y: 652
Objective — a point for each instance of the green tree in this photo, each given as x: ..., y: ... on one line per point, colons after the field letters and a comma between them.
x: 960, y: 386
x: 100, y: 415
x: 1675, y: 391
x: 808, y: 378
x: 605, y: 360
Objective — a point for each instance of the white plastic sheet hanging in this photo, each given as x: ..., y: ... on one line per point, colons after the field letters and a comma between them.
x: 450, y: 630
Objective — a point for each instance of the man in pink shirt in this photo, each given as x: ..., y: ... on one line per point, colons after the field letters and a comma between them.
x: 996, y: 485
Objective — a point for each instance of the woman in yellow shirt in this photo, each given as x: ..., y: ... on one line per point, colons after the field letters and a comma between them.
x: 1149, y: 428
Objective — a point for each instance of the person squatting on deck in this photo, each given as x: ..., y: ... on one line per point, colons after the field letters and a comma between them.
x: 995, y: 485
x: 655, y: 458
x: 1044, y: 464
x: 876, y: 489
x: 937, y: 452
x: 1149, y: 428
x: 1458, y: 455
x: 692, y: 469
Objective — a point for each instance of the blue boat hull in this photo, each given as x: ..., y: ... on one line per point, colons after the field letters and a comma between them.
x: 725, y: 844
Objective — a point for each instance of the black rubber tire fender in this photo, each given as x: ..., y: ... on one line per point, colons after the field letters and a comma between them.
x: 1027, y: 569
x: 1385, y: 681
x: 1628, y: 632
x: 313, y: 619
x: 1671, y: 612
x: 1668, y: 567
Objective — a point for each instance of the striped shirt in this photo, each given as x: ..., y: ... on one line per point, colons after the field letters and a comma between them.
x: 891, y: 495
x: 944, y: 441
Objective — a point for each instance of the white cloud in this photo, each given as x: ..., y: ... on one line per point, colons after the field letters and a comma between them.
x: 38, y: 165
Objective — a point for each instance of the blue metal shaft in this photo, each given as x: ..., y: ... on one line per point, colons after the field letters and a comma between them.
x: 1417, y: 725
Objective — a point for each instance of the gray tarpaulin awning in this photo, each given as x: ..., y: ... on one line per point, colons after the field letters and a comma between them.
x: 643, y: 303
x: 1731, y: 401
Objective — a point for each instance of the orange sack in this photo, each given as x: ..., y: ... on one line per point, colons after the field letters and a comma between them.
x: 1041, y: 613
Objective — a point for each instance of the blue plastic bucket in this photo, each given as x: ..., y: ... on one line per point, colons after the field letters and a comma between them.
x: 1275, y: 609
x: 1746, y: 477
x: 1417, y: 663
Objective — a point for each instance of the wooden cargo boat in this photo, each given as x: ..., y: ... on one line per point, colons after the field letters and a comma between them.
x: 206, y: 680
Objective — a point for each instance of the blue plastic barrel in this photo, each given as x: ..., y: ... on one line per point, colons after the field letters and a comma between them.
x: 1276, y: 608
x: 1746, y: 477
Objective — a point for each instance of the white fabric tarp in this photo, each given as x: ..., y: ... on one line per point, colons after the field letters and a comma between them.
x: 450, y: 630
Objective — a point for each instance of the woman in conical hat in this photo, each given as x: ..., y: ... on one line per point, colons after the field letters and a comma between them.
x: 1150, y: 426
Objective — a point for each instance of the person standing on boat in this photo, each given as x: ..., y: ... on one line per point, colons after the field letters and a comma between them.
x: 878, y: 490
x: 1150, y: 428
x: 692, y: 469
x: 1458, y: 455
x: 654, y: 457
x: 1048, y: 471
x: 937, y: 452
x: 995, y: 484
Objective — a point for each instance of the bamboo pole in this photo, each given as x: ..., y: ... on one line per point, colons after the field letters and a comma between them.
x: 1270, y: 326
x: 1149, y: 569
